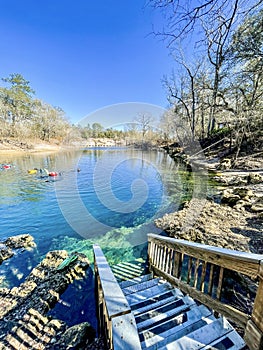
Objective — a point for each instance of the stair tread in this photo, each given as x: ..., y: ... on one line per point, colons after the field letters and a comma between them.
x: 148, y: 293
x: 135, y: 280
x: 141, y: 286
x: 160, y: 300
x: 232, y: 341
x: 178, y: 326
x: 153, y: 317
x: 202, y: 337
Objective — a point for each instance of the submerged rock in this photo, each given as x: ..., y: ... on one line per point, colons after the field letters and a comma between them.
x: 23, y: 309
x: 5, y: 252
x: 76, y: 337
x: 20, y: 241
x: 15, y: 242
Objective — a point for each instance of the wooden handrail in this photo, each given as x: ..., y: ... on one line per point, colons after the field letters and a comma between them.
x: 116, y: 322
x: 204, y: 277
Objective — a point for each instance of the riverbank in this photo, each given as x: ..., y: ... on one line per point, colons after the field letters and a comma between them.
x: 17, y: 147
x: 233, y: 217
x: 13, y: 146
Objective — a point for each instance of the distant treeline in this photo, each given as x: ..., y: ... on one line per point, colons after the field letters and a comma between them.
x: 24, y: 117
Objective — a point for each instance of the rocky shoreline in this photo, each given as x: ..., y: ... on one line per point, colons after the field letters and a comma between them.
x: 233, y: 218
x: 24, y: 323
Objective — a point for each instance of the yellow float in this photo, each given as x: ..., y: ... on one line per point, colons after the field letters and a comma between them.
x: 32, y: 171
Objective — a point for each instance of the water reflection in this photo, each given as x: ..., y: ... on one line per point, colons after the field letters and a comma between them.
x: 113, y: 199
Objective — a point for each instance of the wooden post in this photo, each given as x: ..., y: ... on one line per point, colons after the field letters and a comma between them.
x: 254, y: 328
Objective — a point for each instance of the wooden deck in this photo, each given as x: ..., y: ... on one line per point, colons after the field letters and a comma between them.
x: 171, y: 309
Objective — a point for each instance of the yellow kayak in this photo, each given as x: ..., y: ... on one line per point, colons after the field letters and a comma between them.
x: 32, y: 171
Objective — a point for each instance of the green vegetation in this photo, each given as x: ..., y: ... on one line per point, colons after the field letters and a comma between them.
x: 24, y: 117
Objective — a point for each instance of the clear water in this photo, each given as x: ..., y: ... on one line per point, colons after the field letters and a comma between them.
x: 105, y: 196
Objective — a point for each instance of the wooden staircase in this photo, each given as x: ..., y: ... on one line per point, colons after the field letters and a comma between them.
x: 168, y: 319
x: 179, y: 305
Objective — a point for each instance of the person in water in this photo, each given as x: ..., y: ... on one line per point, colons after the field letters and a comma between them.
x: 43, y: 172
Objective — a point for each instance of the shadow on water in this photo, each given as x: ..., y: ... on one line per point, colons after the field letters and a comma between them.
x: 77, y: 303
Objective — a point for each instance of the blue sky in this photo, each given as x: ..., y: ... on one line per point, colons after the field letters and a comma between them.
x: 84, y: 55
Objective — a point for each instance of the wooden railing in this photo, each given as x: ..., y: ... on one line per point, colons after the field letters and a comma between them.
x: 199, y: 270
x: 116, y: 322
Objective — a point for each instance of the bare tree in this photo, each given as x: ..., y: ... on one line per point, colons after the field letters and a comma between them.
x: 145, y: 121
x: 206, y: 26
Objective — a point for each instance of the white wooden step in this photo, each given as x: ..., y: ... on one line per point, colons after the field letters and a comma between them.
x: 141, y: 286
x: 122, y: 273
x: 128, y: 268
x: 232, y: 341
x: 185, y: 323
x: 162, y: 298
x: 144, y: 295
x: 139, y: 279
x: 157, y: 301
x: 164, y: 312
x: 201, y: 337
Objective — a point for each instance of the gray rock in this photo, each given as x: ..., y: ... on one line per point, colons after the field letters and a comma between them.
x: 20, y: 241
x: 77, y: 337
x: 254, y: 178
x: 229, y: 197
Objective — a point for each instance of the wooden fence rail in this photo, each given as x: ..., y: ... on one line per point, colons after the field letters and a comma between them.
x: 199, y: 271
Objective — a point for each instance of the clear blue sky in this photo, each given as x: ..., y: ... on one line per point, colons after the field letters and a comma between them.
x: 83, y: 55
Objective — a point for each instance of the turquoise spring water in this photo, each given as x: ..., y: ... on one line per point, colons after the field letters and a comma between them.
x: 105, y: 196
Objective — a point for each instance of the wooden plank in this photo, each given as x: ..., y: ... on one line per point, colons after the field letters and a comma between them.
x: 243, y: 262
x: 168, y: 260
x: 189, y: 269
x: 115, y: 300
x: 220, y: 283
x: 197, y: 263
x: 200, y: 337
x: 128, y: 269
x: 231, y: 341
x: 125, y: 272
x: 178, y: 260
x: 154, y: 304
x: 160, y: 262
x: 257, y: 314
x: 159, y: 255
x: 253, y: 336
x: 154, y: 256
x: 203, y: 274
x: 171, y: 262
x: 135, y: 280
x: 177, y: 328
x: 224, y: 309
x: 159, y: 299
x: 135, y: 288
x: 164, y: 259
x: 156, y: 315
x: 147, y: 294
x: 211, y: 279
x: 124, y: 333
